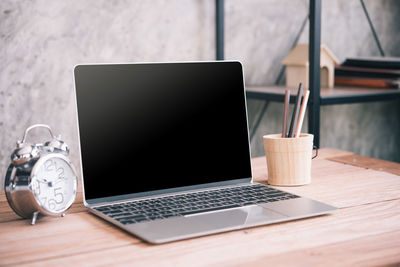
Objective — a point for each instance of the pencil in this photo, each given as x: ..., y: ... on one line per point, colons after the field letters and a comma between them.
x: 302, y: 112
x: 285, y: 113
x: 295, y: 115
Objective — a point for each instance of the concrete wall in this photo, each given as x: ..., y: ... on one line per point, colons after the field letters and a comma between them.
x: 41, y: 41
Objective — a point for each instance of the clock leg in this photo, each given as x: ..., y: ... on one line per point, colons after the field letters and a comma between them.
x: 34, y: 216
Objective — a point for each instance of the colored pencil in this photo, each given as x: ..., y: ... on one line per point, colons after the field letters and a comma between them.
x: 302, y: 112
x: 295, y: 115
x: 285, y: 113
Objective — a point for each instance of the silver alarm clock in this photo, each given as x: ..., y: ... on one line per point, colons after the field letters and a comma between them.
x: 40, y: 179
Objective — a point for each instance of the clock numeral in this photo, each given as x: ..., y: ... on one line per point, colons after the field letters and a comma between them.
x: 59, y: 197
x: 48, y: 165
x: 52, y: 204
x: 43, y: 200
x: 36, y: 188
x: 60, y: 172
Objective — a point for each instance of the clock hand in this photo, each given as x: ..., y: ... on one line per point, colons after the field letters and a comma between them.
x: 59, y: 181
x: 44, y: 180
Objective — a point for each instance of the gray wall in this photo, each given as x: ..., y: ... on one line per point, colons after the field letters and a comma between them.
x: 41, y: 41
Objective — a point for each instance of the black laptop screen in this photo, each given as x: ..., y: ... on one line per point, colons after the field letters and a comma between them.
x: 155, y: 126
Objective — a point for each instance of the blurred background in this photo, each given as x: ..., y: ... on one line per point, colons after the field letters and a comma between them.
x: 41, y: 41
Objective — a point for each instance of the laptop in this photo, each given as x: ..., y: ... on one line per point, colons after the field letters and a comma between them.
x: 165, y: 151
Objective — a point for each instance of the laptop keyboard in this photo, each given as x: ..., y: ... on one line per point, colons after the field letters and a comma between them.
x: 191, y: 203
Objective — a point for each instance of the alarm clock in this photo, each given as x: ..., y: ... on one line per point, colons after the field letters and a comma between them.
x: 40, y: 179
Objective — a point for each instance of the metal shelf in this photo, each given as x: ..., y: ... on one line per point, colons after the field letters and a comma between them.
x: 318, y: 96
x: 338, y: 95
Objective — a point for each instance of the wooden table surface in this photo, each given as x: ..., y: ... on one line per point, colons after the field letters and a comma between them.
x: 364, y: 231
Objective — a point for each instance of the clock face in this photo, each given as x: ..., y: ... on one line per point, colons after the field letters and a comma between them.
x: 54, y: 184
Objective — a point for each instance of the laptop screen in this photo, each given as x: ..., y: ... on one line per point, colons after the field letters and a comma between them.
x: 155, y: 126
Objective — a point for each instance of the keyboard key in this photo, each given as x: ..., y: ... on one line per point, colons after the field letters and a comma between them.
x: 127, y: 222
x: 153, y: 218
x: 124, y: 214
x: 102, y: 209
x: 169, y: 215
x: 207, y: 210
x: 113, y: 211
x: 132, y: 217
x: 142, y: 219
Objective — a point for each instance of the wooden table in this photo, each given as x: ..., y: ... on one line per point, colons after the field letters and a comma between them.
x: 364, y: 231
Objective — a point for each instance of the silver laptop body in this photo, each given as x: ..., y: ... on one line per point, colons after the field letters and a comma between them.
x: 153, y: 134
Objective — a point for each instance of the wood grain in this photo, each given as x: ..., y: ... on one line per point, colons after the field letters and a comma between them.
x: 364, y: 231
x: 369, y: 163
x: 372, y: 250
x: 255, y: 244
x: 57, y: 237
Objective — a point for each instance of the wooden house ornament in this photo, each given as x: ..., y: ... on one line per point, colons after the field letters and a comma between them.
x: 297, y: 66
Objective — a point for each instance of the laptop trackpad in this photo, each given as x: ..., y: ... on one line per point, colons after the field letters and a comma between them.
x: 206, y: 223
x: 237, y: 218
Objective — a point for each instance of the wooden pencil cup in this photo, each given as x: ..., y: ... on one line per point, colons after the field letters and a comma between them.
x: 288, y: 159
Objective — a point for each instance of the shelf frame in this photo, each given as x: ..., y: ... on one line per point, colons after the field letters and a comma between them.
x: 318, y: 97
x: 314, y: 50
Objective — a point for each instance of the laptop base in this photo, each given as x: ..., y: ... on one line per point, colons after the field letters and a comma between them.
x: 178, y: 228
